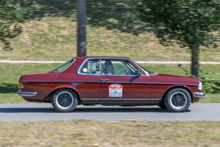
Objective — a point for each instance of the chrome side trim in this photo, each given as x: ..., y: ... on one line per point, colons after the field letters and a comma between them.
x: 147, y: 83
x: 92, y: 99
x: 127, y: 99
x: 156, y: 99
x: 120, y: 99
x: 199, y: 94
x: 22, y: 93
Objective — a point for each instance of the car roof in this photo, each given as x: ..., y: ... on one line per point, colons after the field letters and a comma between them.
x: 103, y: 57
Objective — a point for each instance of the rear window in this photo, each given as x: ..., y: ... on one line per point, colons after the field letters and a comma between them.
x: 91, y: 66
x: 64, y: 66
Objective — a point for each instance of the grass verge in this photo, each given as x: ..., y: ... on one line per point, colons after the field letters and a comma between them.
x: 10, y: 74
x: 123, y: 133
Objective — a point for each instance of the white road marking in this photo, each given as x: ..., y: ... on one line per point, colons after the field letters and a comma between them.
x: 8, y: 61
x: 174, y: 62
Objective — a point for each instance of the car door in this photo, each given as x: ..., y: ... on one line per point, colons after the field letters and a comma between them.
x: 119, y: 80
x: 88, y: 79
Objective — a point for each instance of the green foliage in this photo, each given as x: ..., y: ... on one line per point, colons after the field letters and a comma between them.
x: 210, y: 84
x: 189, y: 23
x: 186, y: 22
x: 12, y: 13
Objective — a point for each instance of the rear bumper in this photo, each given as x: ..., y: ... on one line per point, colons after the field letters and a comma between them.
x: 199, y: 94
x: 22, y: 93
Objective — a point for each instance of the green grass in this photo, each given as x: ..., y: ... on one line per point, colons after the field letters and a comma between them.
x: 10, y: 74
x: 123, y: 133
x: 211, y: 98
x: 112, y: 30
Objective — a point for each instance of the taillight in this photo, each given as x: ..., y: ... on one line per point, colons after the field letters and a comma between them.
x: 21, y: 85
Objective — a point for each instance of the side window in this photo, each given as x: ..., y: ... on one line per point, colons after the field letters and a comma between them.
x: 91, y: 67
x: 118, y: 67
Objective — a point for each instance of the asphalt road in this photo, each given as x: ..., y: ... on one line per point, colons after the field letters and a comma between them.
x: 45, y: 112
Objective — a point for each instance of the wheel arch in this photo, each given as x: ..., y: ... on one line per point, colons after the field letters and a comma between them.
x: 177, y: 86
x: 50, y: 93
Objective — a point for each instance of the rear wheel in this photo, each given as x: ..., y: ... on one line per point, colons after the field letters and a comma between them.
x: 178, y: 100
x: 64, y: 100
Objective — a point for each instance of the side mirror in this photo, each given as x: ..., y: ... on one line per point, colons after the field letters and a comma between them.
x: 139, y: 72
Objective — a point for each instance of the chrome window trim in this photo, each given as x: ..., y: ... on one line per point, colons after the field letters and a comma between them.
x: 74, y: 59
x: 78, y: 71
x: 147, y: 74
x: 120, y: 75
x: 110, y: 58
x: 100, y: 66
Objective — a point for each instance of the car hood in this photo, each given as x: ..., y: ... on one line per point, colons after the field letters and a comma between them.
x: 173, y: 79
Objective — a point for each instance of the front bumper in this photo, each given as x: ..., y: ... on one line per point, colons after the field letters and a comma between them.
x: 199, y: 94
x: 22, y: 93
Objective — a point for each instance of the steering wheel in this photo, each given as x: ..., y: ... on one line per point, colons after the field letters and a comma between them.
x: 129, y: 72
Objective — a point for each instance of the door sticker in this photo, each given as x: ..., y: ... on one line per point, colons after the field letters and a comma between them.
x: 115, y: 90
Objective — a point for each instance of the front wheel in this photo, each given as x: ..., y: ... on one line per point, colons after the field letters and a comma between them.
x: 178, y: 100
x: 64, y: 100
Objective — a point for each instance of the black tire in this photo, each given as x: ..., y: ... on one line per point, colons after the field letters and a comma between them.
x: 177, y: 100
x: 64, y: 100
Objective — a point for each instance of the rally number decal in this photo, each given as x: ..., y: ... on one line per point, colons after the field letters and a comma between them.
x: 115, y: 90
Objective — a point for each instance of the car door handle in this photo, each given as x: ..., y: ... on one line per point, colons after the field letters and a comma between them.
x: 105, y: 80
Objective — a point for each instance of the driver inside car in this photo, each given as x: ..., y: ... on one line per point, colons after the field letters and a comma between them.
x: 109, y: 69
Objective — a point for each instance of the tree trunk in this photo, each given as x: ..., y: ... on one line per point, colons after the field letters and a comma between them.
x: 81, y: 29
x: 195, y: 59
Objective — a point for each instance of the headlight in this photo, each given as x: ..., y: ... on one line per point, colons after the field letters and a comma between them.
x: 200, y: 86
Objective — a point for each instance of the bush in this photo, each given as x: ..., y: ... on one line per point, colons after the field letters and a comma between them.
x: 210, y: 85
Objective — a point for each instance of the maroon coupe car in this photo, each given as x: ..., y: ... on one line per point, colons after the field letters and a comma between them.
x: 109, y: 81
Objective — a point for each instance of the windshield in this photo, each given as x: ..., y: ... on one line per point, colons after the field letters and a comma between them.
x: 61, y: 68
x: 146, y: 71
